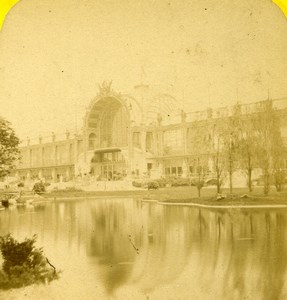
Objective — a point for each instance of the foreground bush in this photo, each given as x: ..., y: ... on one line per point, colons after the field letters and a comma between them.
x: 180, y: 181
x: 163, y: 182
x: 137, y: 184
x: 152, y: 185
x: 39, y: 188
x: 24, y: 264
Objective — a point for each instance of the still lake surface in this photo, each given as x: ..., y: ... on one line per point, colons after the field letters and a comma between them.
x: 122, y: 248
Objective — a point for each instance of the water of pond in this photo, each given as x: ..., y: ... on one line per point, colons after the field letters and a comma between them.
x: 122, y: 248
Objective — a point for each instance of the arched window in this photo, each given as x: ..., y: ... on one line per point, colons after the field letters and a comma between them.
x: 92, y: 141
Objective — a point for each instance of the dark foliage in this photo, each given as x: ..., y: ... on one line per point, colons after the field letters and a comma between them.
x: 180, y: 181
x: 164, y: 182
x: 39, y: 188
x: 137, y: 184
x: 152, y: 185
x: 9, y: 152
x: 24, y: 264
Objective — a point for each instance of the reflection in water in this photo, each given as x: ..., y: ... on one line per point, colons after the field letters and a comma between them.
x: 183, y: 252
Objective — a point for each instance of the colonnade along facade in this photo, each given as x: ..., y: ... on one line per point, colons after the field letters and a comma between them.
x: 146, y: 135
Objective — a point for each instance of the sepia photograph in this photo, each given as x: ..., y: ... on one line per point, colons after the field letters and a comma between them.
x: 143, y: 149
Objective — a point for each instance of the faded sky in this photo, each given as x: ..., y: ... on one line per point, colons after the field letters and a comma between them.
x: 53, y: 54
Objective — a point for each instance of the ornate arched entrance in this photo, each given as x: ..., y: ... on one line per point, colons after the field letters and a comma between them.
x: 107, y: 126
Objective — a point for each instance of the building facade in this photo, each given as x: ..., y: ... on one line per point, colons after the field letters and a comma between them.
x: 145, y: 136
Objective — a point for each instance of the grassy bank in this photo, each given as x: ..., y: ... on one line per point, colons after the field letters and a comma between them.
x: 160, y: 194
x: 180, y: 195
x: 185, y: 195
x: 240, y: 197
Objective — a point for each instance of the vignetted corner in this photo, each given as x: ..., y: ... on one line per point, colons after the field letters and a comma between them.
x: 5, y: 6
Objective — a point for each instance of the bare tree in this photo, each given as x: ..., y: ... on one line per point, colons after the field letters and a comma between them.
x: 200, y: 176
x: 247, y: 150
x: 278, y: 151
x: 231, y: 142
x: 225, y: 144
x: 219, y: 161
x: 279, y: 176
x: 226, y: 147
x: 201, y: 142
x: 268, y: 130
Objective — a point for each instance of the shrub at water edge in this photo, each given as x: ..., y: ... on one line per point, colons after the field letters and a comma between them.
x: 39, y: 188
x: 152, y: 185
x: 24, y: 264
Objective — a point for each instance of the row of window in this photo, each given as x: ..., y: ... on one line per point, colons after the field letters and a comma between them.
x: 173, y: 171
x: 148, y: 140
x: 47, y: 156
x: 176, y: 171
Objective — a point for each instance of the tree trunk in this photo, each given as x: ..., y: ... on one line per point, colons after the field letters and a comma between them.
x: 249, y: 172
x: 278, y: 186
x: 266, y: 182
x: 199, y: 192
x: 250, y: 179
x: 230, y: 182
x: 230, y: 171
x: 218, y: 185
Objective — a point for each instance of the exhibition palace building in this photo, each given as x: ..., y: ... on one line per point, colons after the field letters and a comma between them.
x: 145, y: 136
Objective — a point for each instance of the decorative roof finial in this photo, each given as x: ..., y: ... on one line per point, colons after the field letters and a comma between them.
x: 105, y: 88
